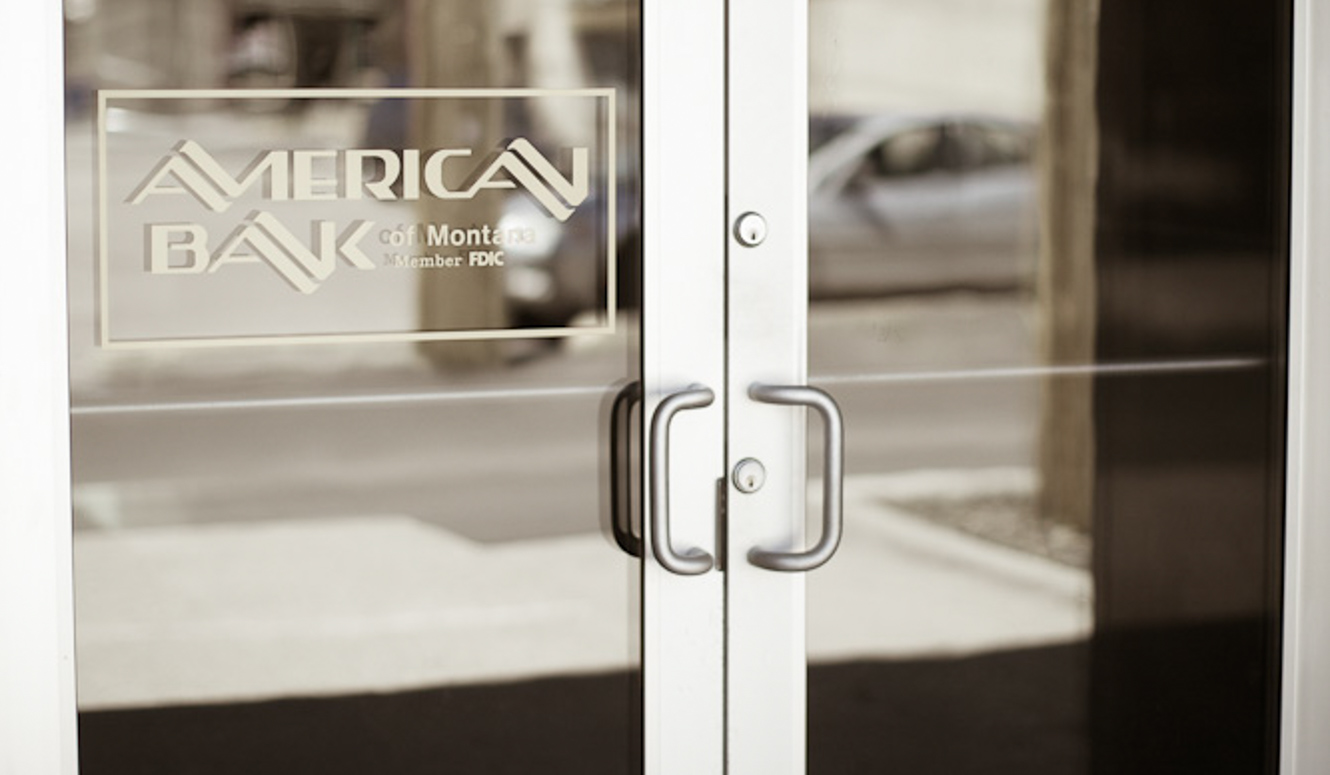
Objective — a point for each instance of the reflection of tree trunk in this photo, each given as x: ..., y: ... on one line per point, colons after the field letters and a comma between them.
x: 555, y: 63
x: 453, y: 43
x: 1067, y: 262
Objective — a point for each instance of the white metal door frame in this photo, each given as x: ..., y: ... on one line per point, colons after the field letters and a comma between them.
x: 767, y: 299
x: 36, y: 596
x: 683, y: 330
x: 682, y: 616
x: 1305, y: 713
x: 766, y: 667
x: 37, y: 703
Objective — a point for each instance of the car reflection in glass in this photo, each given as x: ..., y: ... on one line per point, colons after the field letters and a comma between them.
x: 562, y: 271
x: 897, y: 204
x: 907, y: 204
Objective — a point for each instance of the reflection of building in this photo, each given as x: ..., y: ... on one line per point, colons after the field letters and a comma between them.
x: 264, y: 43
x: 309, y: 43
x: 147, y: 44
x: 926, y: 55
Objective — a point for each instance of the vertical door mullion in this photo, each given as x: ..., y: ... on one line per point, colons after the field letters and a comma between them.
x: 36, y: 587
x: 683, y: 345
x: 1306, y: 669
x: 767, y: 308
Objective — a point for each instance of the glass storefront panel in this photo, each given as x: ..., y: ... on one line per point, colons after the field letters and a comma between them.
x: 1047, y: 278
x: 352, y: 289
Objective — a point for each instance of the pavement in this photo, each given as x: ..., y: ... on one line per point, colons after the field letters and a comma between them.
x: 232, y: 612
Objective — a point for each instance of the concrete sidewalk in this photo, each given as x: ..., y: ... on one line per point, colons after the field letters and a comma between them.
x: 232, y: 612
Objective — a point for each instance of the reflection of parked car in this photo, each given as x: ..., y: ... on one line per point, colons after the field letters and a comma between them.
x: 897, y: 204
x: 912, y: 203
x: 562, y: 272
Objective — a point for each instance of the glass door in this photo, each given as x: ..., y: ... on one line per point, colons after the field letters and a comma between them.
x: 436, y: 377
x: 357, y: 388
x: 1047, y: 276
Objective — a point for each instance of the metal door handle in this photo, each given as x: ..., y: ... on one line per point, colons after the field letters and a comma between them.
x: 692, y: 561
x: 833, y: 473
x: 621, y: 496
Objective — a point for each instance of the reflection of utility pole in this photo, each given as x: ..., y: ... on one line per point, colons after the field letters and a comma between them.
x: 1066, y: 282
x: 554, y: 61
x: 454, y: 44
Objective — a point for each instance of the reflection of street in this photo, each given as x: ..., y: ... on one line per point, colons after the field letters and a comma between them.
x: 286, y: 544
x: 381, y: 603
x: 375, y: 602
x: 910, y: 377
x: 259, y: 522
x: 516, y: 453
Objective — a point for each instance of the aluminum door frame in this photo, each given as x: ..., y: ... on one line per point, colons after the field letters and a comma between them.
x: 37, y: 710
x: 36, y: 581
x: 1305, y: 712
x: 683, y: 327
x: 766, y: 700
x: 682, y: 617
x: 767, y: 300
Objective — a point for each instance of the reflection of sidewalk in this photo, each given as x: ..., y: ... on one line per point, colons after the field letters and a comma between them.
x: 905, y: 587
x: 242, y: 611
x: 229, y: 612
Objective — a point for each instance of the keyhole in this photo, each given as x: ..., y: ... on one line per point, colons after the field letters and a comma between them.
x: 749, y: 475
x: 750, y: 229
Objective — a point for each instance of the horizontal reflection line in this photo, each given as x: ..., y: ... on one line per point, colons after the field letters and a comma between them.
x: 302, y: 402
x: 1144, y: 367
x: 387, y: 399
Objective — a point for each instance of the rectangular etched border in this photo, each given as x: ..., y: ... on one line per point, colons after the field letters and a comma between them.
x: 105, y: 96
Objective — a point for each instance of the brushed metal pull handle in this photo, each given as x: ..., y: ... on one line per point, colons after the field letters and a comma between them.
x: 621, y: 522
x: 692, y: 561
x: 833, y: 476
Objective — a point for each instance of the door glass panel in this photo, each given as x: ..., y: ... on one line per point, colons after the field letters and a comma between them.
x: 1047, y: 264
x: 352, y: 293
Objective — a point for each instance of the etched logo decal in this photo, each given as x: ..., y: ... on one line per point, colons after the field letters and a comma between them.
x: 303, y: 176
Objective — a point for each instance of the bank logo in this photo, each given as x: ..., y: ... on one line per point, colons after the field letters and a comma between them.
x: 182, y: 248
x: 290, y: 175
x: 218, y: 225
x: 315, y: 175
